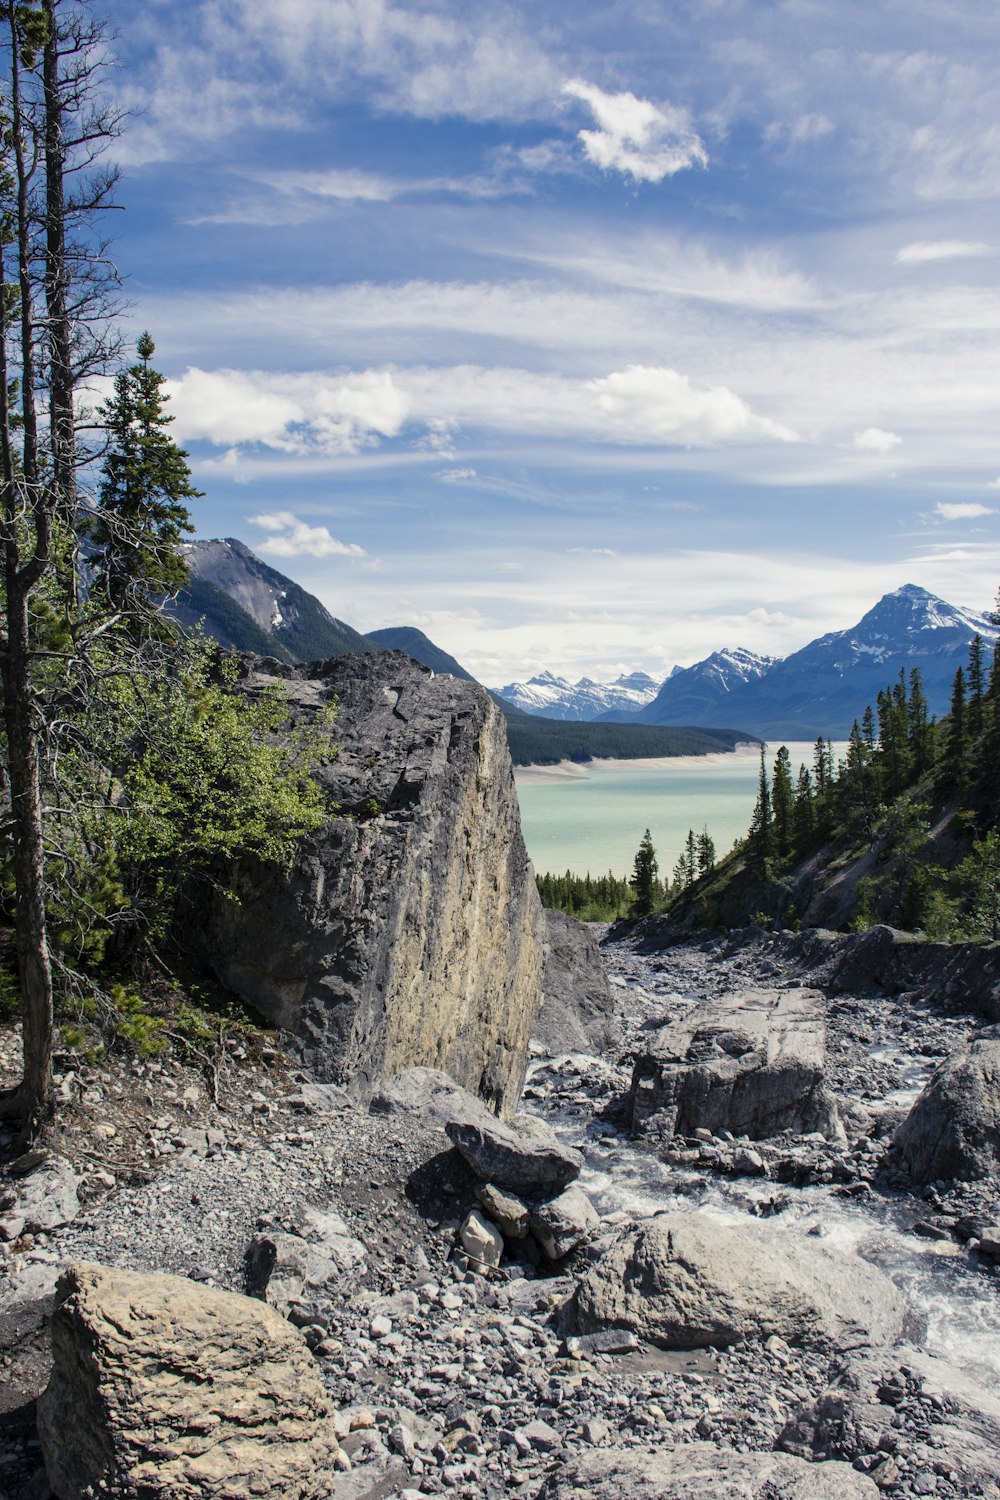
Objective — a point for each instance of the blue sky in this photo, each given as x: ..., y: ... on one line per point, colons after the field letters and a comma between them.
x: 583, y: 336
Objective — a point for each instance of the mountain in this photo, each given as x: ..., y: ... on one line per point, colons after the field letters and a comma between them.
x: 413, y: 642
x: 252, y: 607
x: 822, y: 688
x: 551, y: 697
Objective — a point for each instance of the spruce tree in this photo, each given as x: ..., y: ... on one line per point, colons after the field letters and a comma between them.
x: 805, y: 812
x: 956, y: 749
x: 142, y: 515
x: 761, y: 829
x: 645, y: 877
x: 706, y: 852
x: 976, y: 686
x: 782, y: 803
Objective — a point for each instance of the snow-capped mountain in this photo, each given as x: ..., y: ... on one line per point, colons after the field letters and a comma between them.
x: 823, y: 687
x: 552, y: 697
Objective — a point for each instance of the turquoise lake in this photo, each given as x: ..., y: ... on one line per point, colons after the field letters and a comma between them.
x: 591, y: 818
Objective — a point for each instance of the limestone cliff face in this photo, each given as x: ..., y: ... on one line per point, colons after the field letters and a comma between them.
x: 409, y: 931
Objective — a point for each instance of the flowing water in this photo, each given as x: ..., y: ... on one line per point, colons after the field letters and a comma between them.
x: 948, y: 1289
x: 590, y: 818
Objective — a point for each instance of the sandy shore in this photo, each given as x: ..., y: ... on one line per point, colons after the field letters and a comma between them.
x: 569, y: 770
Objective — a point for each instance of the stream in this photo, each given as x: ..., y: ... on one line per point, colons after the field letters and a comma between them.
x: 954, y: 1293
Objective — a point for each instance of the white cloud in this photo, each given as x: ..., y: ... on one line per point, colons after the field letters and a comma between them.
x: 325, y: 414
x: 290, y: 537
x: 922, y: 251
x: 656, y: 404
x: 876, y: 440
x: 961, y: 510
x: 457, y: 476
x: 646, y: 141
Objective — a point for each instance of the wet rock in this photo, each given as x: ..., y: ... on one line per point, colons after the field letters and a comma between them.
x: 751, y: 1063
x: 175, y: 1390
x: 953, y: 1129
x: 578, y: 1007
x: 524, y: 1156
x: 700, y: 1471
x: 685, y: 1281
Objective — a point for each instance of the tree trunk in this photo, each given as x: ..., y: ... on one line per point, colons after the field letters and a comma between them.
x: 31, y: 1101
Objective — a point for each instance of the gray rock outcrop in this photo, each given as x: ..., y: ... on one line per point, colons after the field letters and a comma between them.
x: 700, y: 1471
x: 953, y: 1129
x: 750, y: 1062
x: 409, y: 930
x: 686, y: 1281
x: 577, y: 1012
x: 168, y: 1389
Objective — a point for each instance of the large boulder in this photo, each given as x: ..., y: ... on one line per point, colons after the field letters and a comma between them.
x: 751, y: 1062
x: 168, y: 1389
x: 953, y: 1129
x: 700, y: 1471
x: 409, y: 930
x: 578, y: 1008
x: 525, y: 1156
x: 687, y: 1281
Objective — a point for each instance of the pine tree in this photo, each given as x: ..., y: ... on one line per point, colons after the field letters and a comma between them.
x: 761, y: 829
x: 956, y: 749
x: 805, y: 812
x: 918, y: 727
x: 976, y: 686
x: 645, y: 877
x: 782, y: 803
x: 706, y: 852
x: 141, y: 516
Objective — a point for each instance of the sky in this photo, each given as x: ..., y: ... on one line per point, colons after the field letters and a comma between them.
x: 590, y: 337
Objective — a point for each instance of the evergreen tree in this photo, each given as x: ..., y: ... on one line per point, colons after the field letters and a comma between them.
x: 805, y: 813
x: 783, y: 803
x: 645, y: 877
x: 868, y: 727
x: 956, y: 750
x: 918, y: 727
x: 858, y: 782
x: 706, y: 852
x: 761, y: 830
x: 976, y: 687
x: 142, y: 515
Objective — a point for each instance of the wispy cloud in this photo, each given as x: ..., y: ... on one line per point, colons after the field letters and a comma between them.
x: 962, y: 510
x: 287, y: 536
x: 920, y: 252
x: 645, y: 141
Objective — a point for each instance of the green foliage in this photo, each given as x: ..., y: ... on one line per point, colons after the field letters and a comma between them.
x: 603, y: 899
x: 141, y: 1032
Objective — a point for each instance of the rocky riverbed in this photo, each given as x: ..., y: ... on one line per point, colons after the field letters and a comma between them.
x: 445, y: 1380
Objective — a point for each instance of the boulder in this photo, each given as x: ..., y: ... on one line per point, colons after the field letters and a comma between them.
x: 524, y: 1156
x: 284, y: 1267
x: 751, y: 1062
x: 700, y: 1471
x: 169, y: 1389
x: 45, y: 1196
x: 953, y: 1129
x: 481, y: 1240
x: 409, y: 930
x: 430, y: 1094
x: 687, y: 1281
x: 507, y: 1211
x: 560, y: 1224
x: 578, y: 1008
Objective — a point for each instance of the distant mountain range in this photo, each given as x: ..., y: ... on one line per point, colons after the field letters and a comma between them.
x: 818, y: 690
x: 553, y: 697
x: 821, y: 689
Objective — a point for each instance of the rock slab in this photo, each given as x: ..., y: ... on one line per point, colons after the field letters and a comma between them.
x: 578, y: 1007
x: 525, y: 1155
x: 409, y: 930
x: 687, y: 1281
x: 752, y: 1062
x: 169, y: 1389
x: 699, y: 1471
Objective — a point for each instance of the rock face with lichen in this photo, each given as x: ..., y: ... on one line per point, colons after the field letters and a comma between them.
x: 165, y: 1388
x: 409, y: 931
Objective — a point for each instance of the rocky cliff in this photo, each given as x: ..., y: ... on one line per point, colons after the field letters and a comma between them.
x: 409, y: 930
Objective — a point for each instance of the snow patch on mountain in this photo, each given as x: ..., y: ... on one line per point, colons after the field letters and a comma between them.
x: 551, y: 697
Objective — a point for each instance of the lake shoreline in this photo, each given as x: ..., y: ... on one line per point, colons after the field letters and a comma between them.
x: 571, y: 770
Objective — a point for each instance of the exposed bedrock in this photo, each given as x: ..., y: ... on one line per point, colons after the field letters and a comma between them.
x: 686, y: 1281
x: 409, y: 931
x: 167, y: 1389
x: 750, y: 1062
x: 578, y: 1007
x: 953, y: 1129
x: 700, y: 1471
